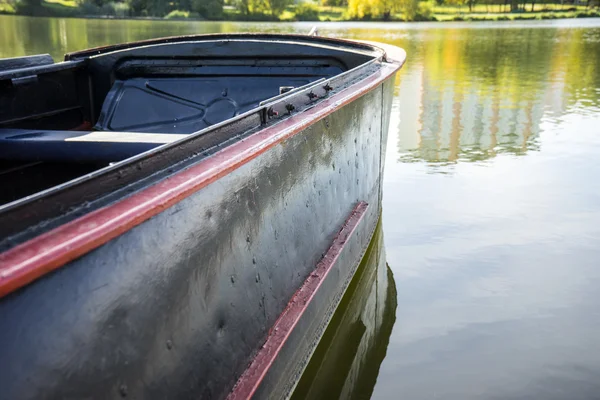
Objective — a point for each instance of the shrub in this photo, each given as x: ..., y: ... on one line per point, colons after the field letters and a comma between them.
x: 586, y: 14
x: 425, y: 12
x: 6, y: 8
x: 209, y: 9
x: 111, y: 9
x: 89, y: 8
x: 120, y: 10
x: 307, y: 12
x: 253, y: 16
x: 178, y: 14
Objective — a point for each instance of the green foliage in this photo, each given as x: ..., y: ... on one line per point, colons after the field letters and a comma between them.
x: 157, y: 8
x: 209, y: 9
x: 425, y: 12
x: 30, y: 7
x: 357, y: 9
x: 137, y: 6
x: 255, y: 10
x: 276, y: 7
x: 307, y: 12
x: 154, y: 8
x: 119, y: 9
x: 410, y: 9
x: 372, y: 9
x: 243, y: 6
x: 111, y: 9
x: 587, y: 14
x: 6, y: 8
x: 178, y: 14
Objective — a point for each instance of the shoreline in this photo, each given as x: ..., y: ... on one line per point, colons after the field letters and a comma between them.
x: 465, y: 17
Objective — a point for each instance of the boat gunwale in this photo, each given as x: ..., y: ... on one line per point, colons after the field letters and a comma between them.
x: 125, y: 170
x: 275, y: 37
x: 50, y: 250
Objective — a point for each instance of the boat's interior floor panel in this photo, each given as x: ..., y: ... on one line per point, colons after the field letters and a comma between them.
x: 188, y: 104
x: 61, y: 121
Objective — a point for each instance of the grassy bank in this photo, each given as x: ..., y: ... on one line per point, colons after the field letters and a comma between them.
x: 515, y: 16
x: 479, y: 12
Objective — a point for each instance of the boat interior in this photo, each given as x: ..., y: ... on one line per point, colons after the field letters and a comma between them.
x: 59, y: 121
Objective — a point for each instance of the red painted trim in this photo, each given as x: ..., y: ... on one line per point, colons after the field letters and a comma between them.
x: 85, y: 126
x: 251, y: 379
x: 47, y: 252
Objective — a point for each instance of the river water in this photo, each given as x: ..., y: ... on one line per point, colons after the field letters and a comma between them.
x: 491, y: 208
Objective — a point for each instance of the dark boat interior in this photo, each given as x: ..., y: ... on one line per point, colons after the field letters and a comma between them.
x: 62, y: 120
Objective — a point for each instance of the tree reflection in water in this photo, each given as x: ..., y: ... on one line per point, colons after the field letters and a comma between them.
x: 346, y: 362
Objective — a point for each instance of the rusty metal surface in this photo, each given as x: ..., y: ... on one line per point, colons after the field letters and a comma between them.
x: 176, y: 306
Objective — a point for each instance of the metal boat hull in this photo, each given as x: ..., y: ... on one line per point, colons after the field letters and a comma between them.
x: 179, y: 305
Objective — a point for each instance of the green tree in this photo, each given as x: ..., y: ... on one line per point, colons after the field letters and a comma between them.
x: 357, y: 9
x: 209, y: 9
x: 249, y: 7
x: 277, y: 7
x: 158, y: 8
x: 243, y: 6
x: 409, y: 8
x: 137, y: 6
x: 366, y: 9
x: 29, y: 7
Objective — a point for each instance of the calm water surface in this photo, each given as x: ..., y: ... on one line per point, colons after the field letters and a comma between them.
x: 491, y: 204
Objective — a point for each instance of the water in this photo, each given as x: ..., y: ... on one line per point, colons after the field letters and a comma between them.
x: 491, y: 212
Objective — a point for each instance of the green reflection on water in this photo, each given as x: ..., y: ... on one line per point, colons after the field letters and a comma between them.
x: 346, y: 362
x: 470, y: 92
x: 26, y: 35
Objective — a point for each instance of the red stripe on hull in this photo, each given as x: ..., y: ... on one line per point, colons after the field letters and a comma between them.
x: 40, y: 255
x: 283, y: 327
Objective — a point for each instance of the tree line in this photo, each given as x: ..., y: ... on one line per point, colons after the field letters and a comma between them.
x: 274, y: 9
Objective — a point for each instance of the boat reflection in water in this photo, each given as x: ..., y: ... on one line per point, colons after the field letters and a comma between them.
x: 346, y: 362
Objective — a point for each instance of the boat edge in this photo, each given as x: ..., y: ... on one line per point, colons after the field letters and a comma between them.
x: 40, y: 255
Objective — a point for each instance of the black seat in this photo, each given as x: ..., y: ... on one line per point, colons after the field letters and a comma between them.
x: 77, y: 147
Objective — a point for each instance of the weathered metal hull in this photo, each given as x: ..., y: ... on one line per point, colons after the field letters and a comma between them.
x: 179, y: 305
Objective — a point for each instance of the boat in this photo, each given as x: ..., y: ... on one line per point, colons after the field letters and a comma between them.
x: 180, y: 217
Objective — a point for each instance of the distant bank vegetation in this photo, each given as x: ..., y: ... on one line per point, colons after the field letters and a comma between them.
x: 308, y: 10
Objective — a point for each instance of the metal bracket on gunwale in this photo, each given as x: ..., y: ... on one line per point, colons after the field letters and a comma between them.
x: 308, y: 95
